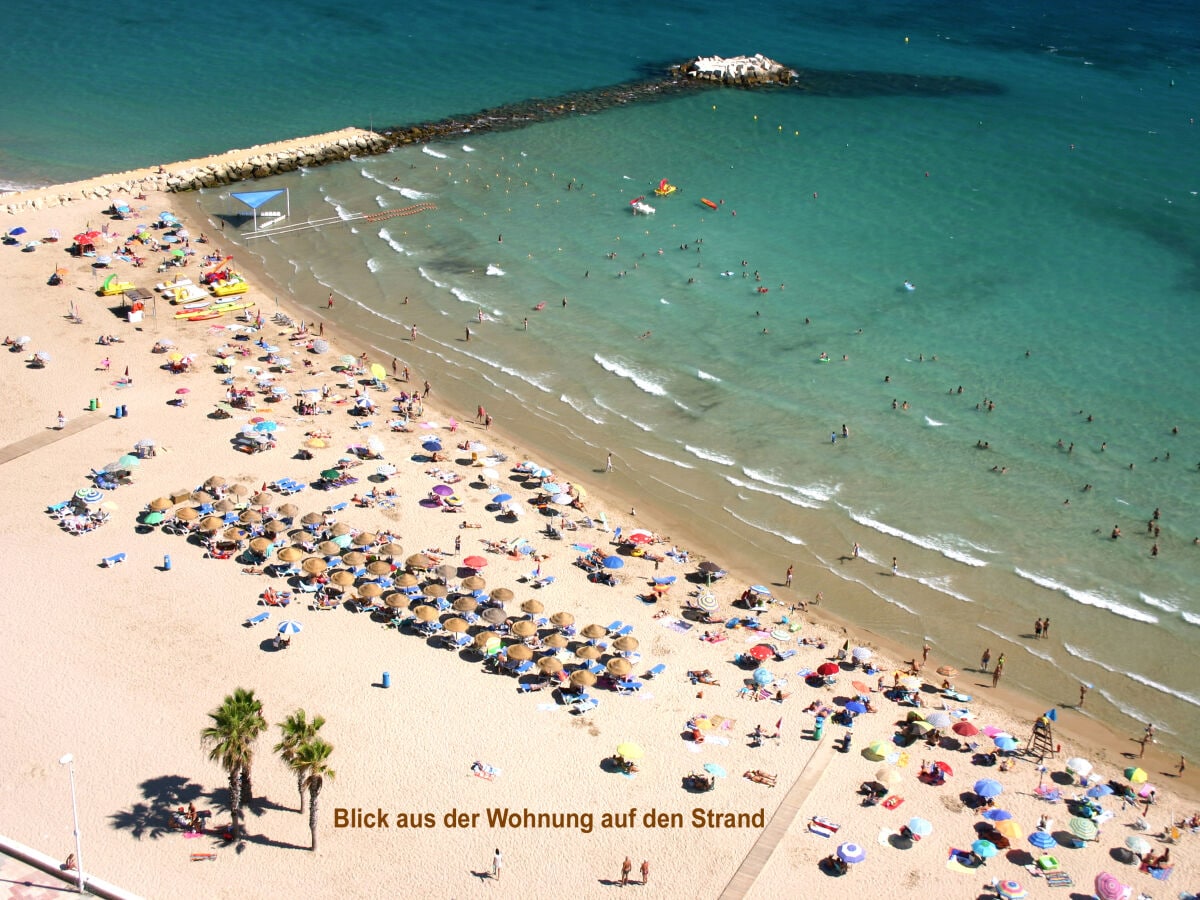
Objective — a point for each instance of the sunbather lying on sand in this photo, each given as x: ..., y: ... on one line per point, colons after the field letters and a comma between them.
x: 761, y: 777
x: 702, y: 676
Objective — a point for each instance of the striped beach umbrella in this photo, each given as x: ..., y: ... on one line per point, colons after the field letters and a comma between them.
x: 850, y: 852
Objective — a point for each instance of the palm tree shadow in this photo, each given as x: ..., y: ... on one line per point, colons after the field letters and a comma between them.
x: 161, y: 795
x: 262, y: 840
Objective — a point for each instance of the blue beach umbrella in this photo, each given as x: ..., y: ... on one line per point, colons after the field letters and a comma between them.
x: 988, y: 788
x: 1099, y: 791
x: 291, y: 626
x: 855, y: 707
x: 759, y: 589
x: 89, y: 495
x: 613, y: 562
x: 18, y: 231
x: 851, y: 853
x: 432, y: 445
x: 265, y: 427
x: 763, y: 676
x: 553, y: 487
x: 985, y: 849
x: 502, y: 498
x: 920, y: 827
x: 997, y: 815
x: 1006, y: 742
x: 1043, y: 840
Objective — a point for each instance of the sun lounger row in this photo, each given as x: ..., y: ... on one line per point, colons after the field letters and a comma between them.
x: 287, y: 486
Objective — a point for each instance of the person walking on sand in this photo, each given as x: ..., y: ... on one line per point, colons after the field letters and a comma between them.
x: 1037, y: 629
x: 985, y: 659
x: 1083, y: 689
x: 497, y: 864
x: 626, y: 868
x: 62, y: 421
x: 857, y: 551
x: 925, y: 654
x: 1046, y: 627
x: 787, y: 578
x: 895, y: 566
x: 329, y: 305
x: 645, y: 871
x: 1182, y: 766
x: 997, y: 672
x: 608, y: 466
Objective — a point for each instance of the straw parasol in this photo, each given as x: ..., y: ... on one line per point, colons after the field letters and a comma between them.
x: 484, y: 638
x: 379, y: 567
x: 238, y: 490
x: 626, y: 643
x: 589, y: 651
x: 519, y: 652
x: 370, y: 590
x: 342, y: 577
x: 548, y: 665
x: 225, y: 505
x: 524, y: 628
x: 418, y: 561
x: 260, y: 545
x: 312, y: 518
x: 365, y: 538
x: 250, y: 517
x: 235, y: 534
x: 408, y: 579
x: 314, y: 565
x: 289, y: 510
x: 201, y: 497
x: 274, y: 527
x: 329, y: 548
x: 533, y: 607
x: 339, y: 529
x: 501, y: 595
x: 493, y: 615
x: 562, y: 619
x: 619, y: 666
x: 291, y: 554
x: 465, y: 604
x: 426, y: 613
x: 474, y: 583
x: 188, y: 514
x: 582, y: 678
x: 594, y: 631
x: 262, y: 498
x: 212, y: 524
x: 436, y: 590
x: 160, y: 504
x: 456, y: 624
x: 215, y: 481
x: 391, y: 549
x: 395, y: 600
x: 556, y: 640
x: 354, y: 557
x: 445, y: 571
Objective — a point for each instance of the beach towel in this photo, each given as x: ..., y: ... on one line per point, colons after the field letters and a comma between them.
x: 1162, y: 874
x: 892, y: 802
x: 678, y: 626
x: 955, y: 866
x: 822, y: 827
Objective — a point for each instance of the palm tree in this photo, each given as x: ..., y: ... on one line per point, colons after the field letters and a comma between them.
x: 296, y: 731
x: 236, y: 725
x: 311, y: 762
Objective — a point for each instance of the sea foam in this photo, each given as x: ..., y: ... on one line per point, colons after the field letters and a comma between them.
x: 1088, y: 598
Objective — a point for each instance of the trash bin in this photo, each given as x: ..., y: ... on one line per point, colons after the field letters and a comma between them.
x: 167, y: 563
x: 818, y: 728
x: 387, y: 679
x: 119, y: 412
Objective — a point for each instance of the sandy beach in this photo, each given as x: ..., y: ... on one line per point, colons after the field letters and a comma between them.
x: 121, y: 664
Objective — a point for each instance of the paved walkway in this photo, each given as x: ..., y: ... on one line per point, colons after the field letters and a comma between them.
x: 20, y: 881
x: 756, y: 859
x: 48, y: 436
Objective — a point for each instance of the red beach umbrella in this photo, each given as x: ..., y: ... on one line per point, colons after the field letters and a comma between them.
x: 828, y: 668
x: 762, y: 652
x: 475, y: 562
x: 965, y: 729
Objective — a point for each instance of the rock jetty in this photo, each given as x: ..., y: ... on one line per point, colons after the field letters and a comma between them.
x: 741, y: 71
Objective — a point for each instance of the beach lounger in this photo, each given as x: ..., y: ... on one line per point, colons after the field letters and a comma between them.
x: 582, y: 705
x: 337, y: 507
x: 109, y: 561
x: 360, y: 425
x: 656, y: 671
x: 198, y: 857
x: 544, y: 581
x: 524, y: 668
x: 261, y: 617
x: 533, y: 686
x: 624, y: 631
x: 783, y: 655
x: 58, y: 507
x: 628, y: 687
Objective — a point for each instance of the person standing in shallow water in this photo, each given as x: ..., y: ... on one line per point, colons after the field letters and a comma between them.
x: 985, y: 659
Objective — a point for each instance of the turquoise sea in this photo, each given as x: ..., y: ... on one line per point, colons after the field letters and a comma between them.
x: 1050, y: 227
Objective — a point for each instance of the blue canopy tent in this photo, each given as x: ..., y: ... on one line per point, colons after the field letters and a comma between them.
x: 256, y: 199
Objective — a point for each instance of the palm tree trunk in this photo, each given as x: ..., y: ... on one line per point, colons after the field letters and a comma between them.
x: 300, y: 788
x: 247, y: 792
x: 235, y: 801
x: 313, y: 791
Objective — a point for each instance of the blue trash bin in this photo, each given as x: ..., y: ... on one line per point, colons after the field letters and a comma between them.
x: 818, y: 728
x: 387, y: 679
x: 167, y: 563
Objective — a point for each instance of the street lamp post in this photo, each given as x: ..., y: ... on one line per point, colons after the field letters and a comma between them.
x: 69, y: 761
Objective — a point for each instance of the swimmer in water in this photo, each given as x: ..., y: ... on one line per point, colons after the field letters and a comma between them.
x: 909, y: 286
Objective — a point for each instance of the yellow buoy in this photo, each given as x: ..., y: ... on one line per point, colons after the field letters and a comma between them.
x: 906, y: 39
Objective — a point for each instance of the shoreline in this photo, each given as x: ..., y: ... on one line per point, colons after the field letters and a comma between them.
x: 1085, y: 730
x: 151, y: 649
